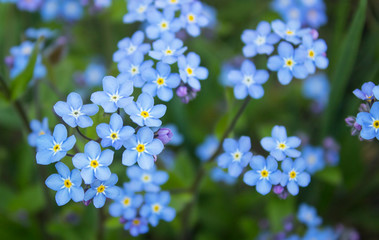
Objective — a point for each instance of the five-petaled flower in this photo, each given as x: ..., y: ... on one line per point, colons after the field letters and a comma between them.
x: 101, y: 190
x: 190, y: 71
x: 148, y: 180
x: 369, y: 122
x: 155, y: 208
x: 126, y: 204
x: 294, y: 175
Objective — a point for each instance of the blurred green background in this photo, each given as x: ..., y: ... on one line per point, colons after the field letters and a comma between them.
x: 347, y: 194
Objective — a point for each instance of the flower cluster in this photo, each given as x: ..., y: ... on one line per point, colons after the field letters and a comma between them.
x: 163, y: 20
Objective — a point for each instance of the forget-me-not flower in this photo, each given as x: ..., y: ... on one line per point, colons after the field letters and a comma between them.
x: 369, y: 122
x: 314, y: 156
x: 167, y: 49
x: 279, y: 145
x: 132, y: 68
x: 129, y: 46
x: 190, y: 71
x: 29, y: 5
x: 38, y: 129
x: 366, y: 93
x: 290, y: 32
x: 141, y: 148
x: 148, y: 180
x: 101, y: 190
x: 207, y: 148
x: 193, y: 18
x: 126, y: 204
x: 316, y: 53
x: 219, y: 175
x: 66, y: 183
x: 265, y: 173
x: 54, y: 148
x: 74, y: 113
x: 294, y: 175
x: 94, y: 73
x: 162, y: 22
x: 317, y: 87
x: 137, y: 10
x: 71, y: 10
x: 308, y: 215
x: 155, y: 208
x: 137, y: 226
x: 50, y: 9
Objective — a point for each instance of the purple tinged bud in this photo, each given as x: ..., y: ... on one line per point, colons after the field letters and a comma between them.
x: 364, y: 107
x: 87, y: 203
x: 164, y: 134
x: 280, y: 236
x: 283, y: 195
x: 357, y: 126
x: 314, y: 34
x: 278, y: 189
x: 182, y: 91
x: 350, y: 121
x: 123, y: 220
x: 9, y: 61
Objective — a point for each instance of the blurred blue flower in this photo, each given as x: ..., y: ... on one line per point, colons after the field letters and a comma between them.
x: 29, y: 5
x: 93, y: 163
x: 289, y: 63
x: 320, y: 234
x: 155, y: 208
x: 190, y: 71
x: 248, y: 81
x: 148, y: 180
x: 94, y: 73
x: 237, y: 155
x: 102, y: 3
x: 172, y: 4
x: 141, y: 148
x: 115, y: 133
x: 160, y: 82
x: 129, y: 46
x: 177, y: 137
x: 138, y: 225
x: 366, y: 93
x: 308, y: 215
x: 369, y: 122
x: 279, y: 145
x: 193, y: 18
x: 317, y: 87
x: 72, y: 10
x: 205, y: 150
x: 133, y: 68
x: 167, y: 49
x: 316, y: 56
x: 116, y: 94
x: 35, y: 33
x: 66, y: 183
x: 101, y: 190
x: 265, y: 173
x: 50, y: 9
x: 294, y: 175
x: 314, y: 156
x: 126, y: 204
x: 290, y: 32
x: 74, y: 113
x: 53, y: 148
x: 38, y: 129
x: 219, y: 175
x: 137, y: 10
x: 259, y: 41
x: 144, y: 113
x: 160, y: 23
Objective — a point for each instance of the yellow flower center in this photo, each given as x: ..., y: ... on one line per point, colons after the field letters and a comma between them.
x: 376, y: 124
x: 101, y: 188
x: 160, y: 81
x: 290, y: 32
x: 156, y: 207
x: 114, y: 98
x: 264, y: 173
x: 136, y: 222
x: 141, y: 9
x: 126, y: 201
x: 169, y: 52
x: 282, y: 146
x: 146, y: 177
x: 292, y: 174
x: 191, y: 17
x: 41, y: 133
x: 57, y: 147
x: 189, y: 71
x: 289, y: 62
x: 140, y: 148
x: 237, y: 156
x: 94, y: 163
x: 134, y: 70
x: 311, y: 53
x: 67, y: 183
x: 173, y: 1
x: 114, y: 136
x: 144, y: 114
x: 164, y: 25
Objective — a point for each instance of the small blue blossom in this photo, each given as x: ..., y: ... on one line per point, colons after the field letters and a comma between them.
x: 137, y: 226
x: 137, y: 10
x: 279, y: 145
x: 237, y: 155
x: 248, y: 81
x: 320, y: 234
x: 172, y: 4
x: 219, y: 175
x: 259, y: 41
x: 129, y: 46
x: 29, y: 5
x: 369, y: 122
x: 177, y: 137
x: 115, y: 133
x: 101, y: 190
x: 141, y: 148
x: 93, y: 163
x: 155, y: 208
x: 132, y: 68
x: 317, y: 87
x: 316, y: 53
x: 160, y: 82
x: 50, y: 9
x: 290, y: 32
x: 314, y: 156
x: 160, y: 23
x: 167, y: 49
x: 126, y: 204
x: 205, y: 151
x: 38, y: 129
x: 144, y: 113
x: 190, y: 71
x: 94, y: 73
x: 366, y: 93
x: 294, y: 175
x: 265, y: 173
x: 289, y: 63
x: 148, y: 180
x: 71, y: 10
x: 193, y: 18
x: 116, y: 94
x: 74, y: 113
x: 308, y: 215
x: 66, y: 183
x: 34, y: 33
x: 102, y: 3
x: 54, y: 148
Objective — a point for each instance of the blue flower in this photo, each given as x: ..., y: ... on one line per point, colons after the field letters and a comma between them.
x: 114, y: 134
x: 290, y: 32
x: 137, y: 226
x: 129, y: 46
x: 248, y: 81
x: 205, y: 151
x: 294, y: 175
x: 102, y: 3
x: 366, y: 93
x: 155, y: 208
x: 161, y: 23
x: 94, y: 73
x: 167, y: 49
x: 53, y: 148
x: 308, y: 215
x: 161, y: 81
x: 132, y: 68
x: 320, y: 234
x: 189, y: 70
x: 72, y: 10
x: 259, y: 41
x: 137, y: 10
x: 29, y: 5
x: 219, y: 175
x: 369, y: 122
x: 289, y: 63
x: 316, y: 53
x: 279, y: 145
x: 67, y: 185
x: 237, y: 155
x: 93, y: 162
x: 317, y: 87
x: 116, y: 94
x: 74, y: 113
x: 144, y: 113
x: 38, y: 129
x: 193, y: 18
x: 145, y: 180
x: 126, y: 204
x: 172, y: 4
x: 141, y: 148
x: 177, y: 137
x: 101, y: 190
x: 314, y: 156
x: 50, y: 10
x: 263, y: 175
x: 34, y: 33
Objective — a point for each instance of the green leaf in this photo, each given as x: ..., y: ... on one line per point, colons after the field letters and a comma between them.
x: 20, y: 83
x: 31, y: 199
x: 330, y: 175
x: 179, y: 201
x: 277, y: 209
x: 344, y: 66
